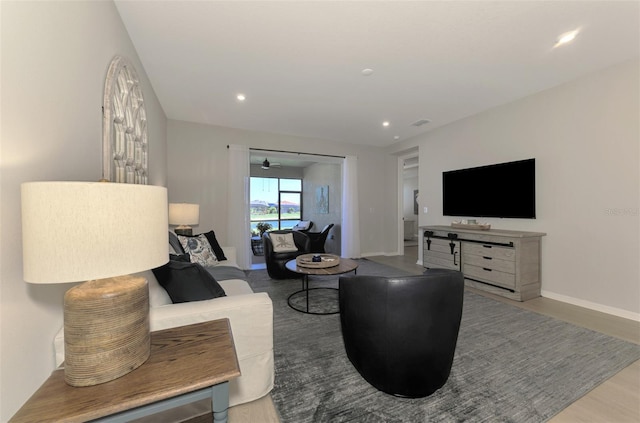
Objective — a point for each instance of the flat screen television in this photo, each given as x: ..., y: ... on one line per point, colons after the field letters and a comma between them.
x: 498, y: 190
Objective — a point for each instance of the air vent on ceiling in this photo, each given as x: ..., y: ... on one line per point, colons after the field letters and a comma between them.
x: 420, y: 122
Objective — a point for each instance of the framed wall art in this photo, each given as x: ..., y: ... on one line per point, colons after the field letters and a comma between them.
x: 322, y: 199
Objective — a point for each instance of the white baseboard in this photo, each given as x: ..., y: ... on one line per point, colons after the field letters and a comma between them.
x: 592, y: 306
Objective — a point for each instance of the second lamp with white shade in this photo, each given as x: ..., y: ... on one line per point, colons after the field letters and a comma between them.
x: 183, y: 215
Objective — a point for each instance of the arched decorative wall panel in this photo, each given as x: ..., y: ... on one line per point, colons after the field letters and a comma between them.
x: 124, y: 126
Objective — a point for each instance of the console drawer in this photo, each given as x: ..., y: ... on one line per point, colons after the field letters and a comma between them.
x: 508, y: 266
x: 493, y: 251
x: 495, y: 277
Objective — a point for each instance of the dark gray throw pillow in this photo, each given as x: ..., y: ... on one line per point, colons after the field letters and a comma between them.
x: 186, y: 282
x: 175, y: 243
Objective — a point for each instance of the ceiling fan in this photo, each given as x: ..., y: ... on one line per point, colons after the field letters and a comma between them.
x: 267, y: 165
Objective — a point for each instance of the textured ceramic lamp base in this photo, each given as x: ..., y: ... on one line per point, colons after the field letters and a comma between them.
x: 106, y: 329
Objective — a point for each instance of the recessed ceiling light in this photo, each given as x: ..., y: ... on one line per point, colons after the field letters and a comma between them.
x: 386, y: 123
x: 567, y: 37
x: 367, y: 72
x: 241, y: 97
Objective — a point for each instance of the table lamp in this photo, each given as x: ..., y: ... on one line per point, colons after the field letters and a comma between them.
x: 98, y: 232
x: 183, y: 215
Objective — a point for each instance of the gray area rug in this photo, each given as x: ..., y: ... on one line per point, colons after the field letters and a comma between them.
x: 511, y: 365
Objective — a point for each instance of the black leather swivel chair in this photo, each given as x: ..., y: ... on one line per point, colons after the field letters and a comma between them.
x: 276, y: 261
x: 400, y: 333
x: 319, y: 238
x: 303, y: 226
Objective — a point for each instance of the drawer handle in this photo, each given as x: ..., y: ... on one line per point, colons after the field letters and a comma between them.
x: 488, y: 270
x: 487, y: 258
x: 487, y: 246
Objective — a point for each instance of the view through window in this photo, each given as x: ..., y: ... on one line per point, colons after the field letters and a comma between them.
x: 276, y: 201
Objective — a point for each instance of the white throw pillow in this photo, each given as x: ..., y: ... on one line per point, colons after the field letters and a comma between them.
x: 199, y: 250
x: 283, y: 243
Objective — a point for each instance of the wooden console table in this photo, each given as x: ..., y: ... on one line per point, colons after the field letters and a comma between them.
x: 187, y: 364
x: 506, y: 263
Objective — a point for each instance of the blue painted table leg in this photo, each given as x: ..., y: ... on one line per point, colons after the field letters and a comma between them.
x: 220, y: 402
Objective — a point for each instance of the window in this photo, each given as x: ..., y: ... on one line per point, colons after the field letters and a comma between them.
x: 277, y: 201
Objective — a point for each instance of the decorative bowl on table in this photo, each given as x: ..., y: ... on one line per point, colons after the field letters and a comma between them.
x: 320, y: 261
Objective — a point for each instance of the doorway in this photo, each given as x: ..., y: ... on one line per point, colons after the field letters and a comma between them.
x: 296, y: 183
x: 408, y: 208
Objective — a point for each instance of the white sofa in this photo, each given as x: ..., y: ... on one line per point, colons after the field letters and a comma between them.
x: 251, y: 318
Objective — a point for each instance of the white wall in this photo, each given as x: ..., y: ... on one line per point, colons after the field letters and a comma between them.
x: 585, y: 138
x: 198, y: 172
x: 315, y: 176
x: 55, y: 57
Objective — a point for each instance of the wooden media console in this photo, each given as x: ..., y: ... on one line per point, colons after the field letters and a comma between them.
x: 502, y: 262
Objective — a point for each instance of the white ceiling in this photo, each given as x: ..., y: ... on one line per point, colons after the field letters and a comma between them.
x: 299, y: 63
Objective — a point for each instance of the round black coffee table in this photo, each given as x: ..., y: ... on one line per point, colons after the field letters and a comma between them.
x: 345, y: 266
